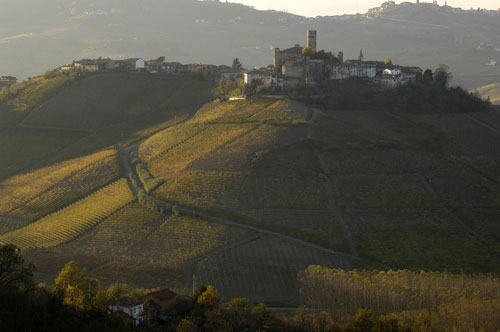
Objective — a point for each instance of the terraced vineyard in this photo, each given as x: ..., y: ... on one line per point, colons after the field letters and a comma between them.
x: 117, y: 234
x: 134, y: 96
x: 202, y: 189
x: 72, y: 221
x: 263, y: 268
x: 21, y: 189
x: 71, y: 188
x: 232, y: 112
x: 276, y: 186
x: 10, y: 224
x: 167, y: 140
x: 179, y: 158
x: 23, y: 147
x: 405, y: 187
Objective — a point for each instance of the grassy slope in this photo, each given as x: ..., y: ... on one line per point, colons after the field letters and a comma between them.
x: 492, y: 91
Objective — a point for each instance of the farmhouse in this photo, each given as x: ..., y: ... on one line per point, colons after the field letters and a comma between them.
x: 155, y: 303
x: 160, y: 301
x: 130, y: 307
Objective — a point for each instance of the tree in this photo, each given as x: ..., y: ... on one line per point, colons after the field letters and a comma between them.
x: 187, y: 325
x: 14, y: 273
x: 253, y: 87
x: 237, y: 64
x: 386, y: 324
x: 388, y: 61
x: 239, y: 313
x: 442, y: 75
x: 362, y: 321
x: 323, y: 323
x: 75, y: 288
x: 223, y: 88
x: 428, y: 75
x: 209, y: 298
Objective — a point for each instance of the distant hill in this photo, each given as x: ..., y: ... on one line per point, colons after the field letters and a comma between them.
x: 216, y: 32
x: 492, y: 91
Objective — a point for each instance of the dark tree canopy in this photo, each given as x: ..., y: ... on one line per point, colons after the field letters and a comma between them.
x: 14, y: 273
x: 236, y: 63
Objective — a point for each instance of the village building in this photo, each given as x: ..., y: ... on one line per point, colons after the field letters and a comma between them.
x: 230, y: 73
x: 299, y: 65
x: 160, y: 302
x: 95, y: 65
x: 6, y: 81
x: 131, y: 64
x: 254, y: 75
x: 153, y: 306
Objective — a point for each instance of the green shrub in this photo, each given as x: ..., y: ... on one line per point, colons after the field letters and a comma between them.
x: 150, y: 183
x: 153, y: 203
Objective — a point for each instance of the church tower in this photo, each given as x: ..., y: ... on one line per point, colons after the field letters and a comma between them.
x: 361, y: 57
x: 312, y: 39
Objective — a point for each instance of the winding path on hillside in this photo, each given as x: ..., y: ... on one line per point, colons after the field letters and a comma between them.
x: 218, y: 219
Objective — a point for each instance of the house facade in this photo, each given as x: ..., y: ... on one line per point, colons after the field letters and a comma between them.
x: 95, y: 65
x: 130, y: 307
x: 253, y: 75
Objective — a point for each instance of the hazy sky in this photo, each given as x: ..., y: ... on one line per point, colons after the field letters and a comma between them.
x: 334, y: 7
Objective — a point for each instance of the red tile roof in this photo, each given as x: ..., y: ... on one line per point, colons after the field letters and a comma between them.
x: 163, y: 295
x: 127, y: 302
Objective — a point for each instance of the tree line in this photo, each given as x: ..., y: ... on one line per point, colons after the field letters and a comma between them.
x: 430, y: 92
x: 441, y: 300
x: 337, y: 301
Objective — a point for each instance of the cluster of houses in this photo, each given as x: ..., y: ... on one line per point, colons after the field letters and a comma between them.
x: 154, y: 305
x: 154, y: 66
x: 390, y: 5
x: 298, y: 65
x: 292, y: 67
x: 6, y: 81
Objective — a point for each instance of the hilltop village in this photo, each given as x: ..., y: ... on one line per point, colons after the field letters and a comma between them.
x: 291, y: 67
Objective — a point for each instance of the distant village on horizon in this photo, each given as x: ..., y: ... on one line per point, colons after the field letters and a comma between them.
x: 290, y: 66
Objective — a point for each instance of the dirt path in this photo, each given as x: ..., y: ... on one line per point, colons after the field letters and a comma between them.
x: 328, y: 185
x: 484, y: 124
x: 192, y: 269
x: 430, y: 188
x: 227, y: 222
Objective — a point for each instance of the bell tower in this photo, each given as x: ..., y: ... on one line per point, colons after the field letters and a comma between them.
x: 312, y: 39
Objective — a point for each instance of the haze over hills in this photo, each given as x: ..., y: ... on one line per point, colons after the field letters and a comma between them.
x: 41, y: 37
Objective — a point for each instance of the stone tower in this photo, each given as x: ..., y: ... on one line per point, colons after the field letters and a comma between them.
x: 312, y: 39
